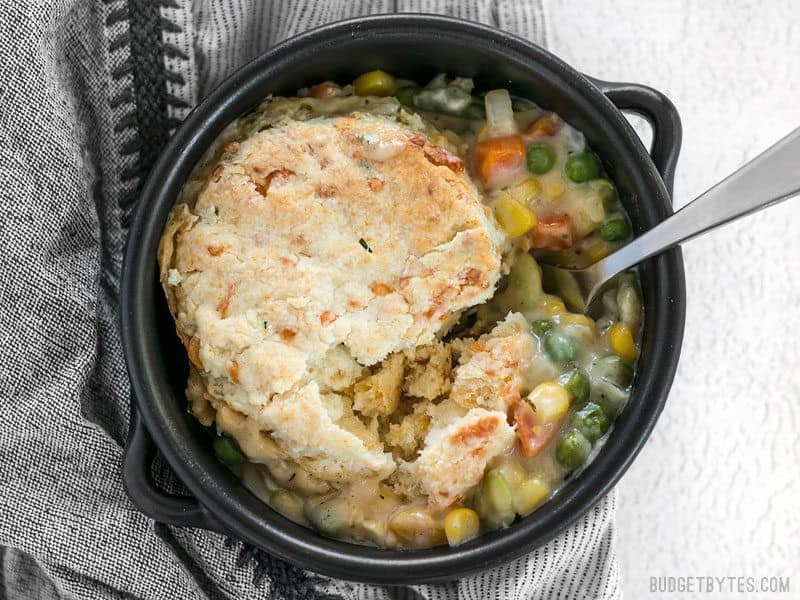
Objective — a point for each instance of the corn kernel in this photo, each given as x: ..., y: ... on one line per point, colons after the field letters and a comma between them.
x: 460, y: 525
x: 576, y: 319
x: 416, y: 526
x: 622, y: 342
x: 526, y: 190
x: 530, y: 495
x: 513, y: 216
x: 550, y: 400
x: 552, y: 305
x: 555, y: 189
x: 578, y: 326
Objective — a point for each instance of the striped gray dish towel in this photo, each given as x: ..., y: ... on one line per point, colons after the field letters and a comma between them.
x: 89, y: 92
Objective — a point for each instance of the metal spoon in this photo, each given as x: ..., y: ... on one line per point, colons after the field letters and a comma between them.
x: 772, y: 176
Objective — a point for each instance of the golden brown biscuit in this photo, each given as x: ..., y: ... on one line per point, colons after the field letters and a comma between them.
x: 315, y: 247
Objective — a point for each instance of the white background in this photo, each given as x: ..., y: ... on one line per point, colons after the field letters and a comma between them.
x: 716, y: 491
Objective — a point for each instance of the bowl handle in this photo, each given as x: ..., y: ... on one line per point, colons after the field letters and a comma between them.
x: 184, y: 511
x: 659, y: 112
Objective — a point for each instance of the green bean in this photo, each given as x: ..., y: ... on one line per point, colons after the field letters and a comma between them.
x: 582, y: 166
x: 613, y: 369
x: 576, y: 382
x: 609, y: 396
x: 522, y: 294
x: 591, y: 420
x: 606, y: 190
x: 525, y: 283
x: 628, y: 302
x: 572, y: 450
x: 498, y: 500
x: 610, y: 378
x: 227, y: 450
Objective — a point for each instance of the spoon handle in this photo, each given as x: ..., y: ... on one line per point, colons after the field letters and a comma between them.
x: 772, y: 176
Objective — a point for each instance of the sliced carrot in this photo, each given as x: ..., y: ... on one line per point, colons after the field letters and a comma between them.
x: 532, y: 434
x: 547, y: 124
x: 497, y: 159
x: 287, y: 334
x: 380, y: 289
x: 224, y: 303
x: 553, y: 232
x: 233, y: 371
x: 326, y: 89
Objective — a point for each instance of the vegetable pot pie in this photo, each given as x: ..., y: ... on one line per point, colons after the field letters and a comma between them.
x: 353, y: 273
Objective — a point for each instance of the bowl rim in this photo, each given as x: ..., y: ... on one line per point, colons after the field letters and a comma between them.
x: 273, y: 533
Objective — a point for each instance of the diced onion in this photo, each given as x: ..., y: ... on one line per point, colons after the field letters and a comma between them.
x: 499, y: 114
x: 575, y: 140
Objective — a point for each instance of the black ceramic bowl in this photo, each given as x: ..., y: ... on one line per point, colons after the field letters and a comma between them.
x: 416, y: 47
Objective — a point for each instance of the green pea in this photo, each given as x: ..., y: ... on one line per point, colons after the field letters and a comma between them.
x: 540, y: 158
x: 573, y: 449
x: 582, y: 166
x: 227, y: 450
x: 406, y: 96
x: 613, y: 369
x: 561, y: 347
x: 576, y: 382
x: 591, y: 420
x: 615, y: 229
x: 541, y: 326
x: 606, y: 190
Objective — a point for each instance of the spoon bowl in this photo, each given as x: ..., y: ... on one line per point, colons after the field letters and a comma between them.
x: 771, y: 177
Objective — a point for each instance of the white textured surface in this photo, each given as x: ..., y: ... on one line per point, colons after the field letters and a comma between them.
x: 716, y: 491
